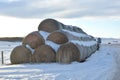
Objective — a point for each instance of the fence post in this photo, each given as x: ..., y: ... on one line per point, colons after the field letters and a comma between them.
x: 2, y: 57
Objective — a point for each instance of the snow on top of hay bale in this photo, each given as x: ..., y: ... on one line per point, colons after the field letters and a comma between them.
x: 84, y: 43
x: 44, y: 53
x: 44, y: 34
x: 75, y: 33
x: 86, y: 48
x: 28, y: 47
x: 20, y: 54
x: 77, y: 36
x: 33, y: 39
x: 67, y: 53
x: 53, y: 45
x: 49, y: 25
x: 57, y: 37
x: 74, y: 29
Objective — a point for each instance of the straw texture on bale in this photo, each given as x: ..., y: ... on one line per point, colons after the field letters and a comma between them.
x: 67, y: 53
x: 58, y: 37
x: 20, y: 54
x: 44, y: 53
x: 49, y: 25
x: 33, y: 39
x: 86, y: 51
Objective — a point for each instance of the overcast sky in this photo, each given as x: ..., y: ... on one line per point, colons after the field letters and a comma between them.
x: 100, y: 18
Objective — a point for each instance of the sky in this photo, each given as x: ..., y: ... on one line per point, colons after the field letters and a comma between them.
x: 99, y: 18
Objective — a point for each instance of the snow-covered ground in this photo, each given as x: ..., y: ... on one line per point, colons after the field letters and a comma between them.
x: 102, y: 65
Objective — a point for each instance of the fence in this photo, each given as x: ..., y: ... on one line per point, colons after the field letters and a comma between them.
x: 2, y: 61
x: 5, y: 57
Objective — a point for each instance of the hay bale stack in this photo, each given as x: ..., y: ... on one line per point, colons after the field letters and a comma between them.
x: 20, y: 54
x: 49, y: 25
x: 33, y: 39
x: 57, y: 37
x: 44, y: 53
x: 67, y: 53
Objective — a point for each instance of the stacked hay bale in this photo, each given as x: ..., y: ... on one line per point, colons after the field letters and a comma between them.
x: 51, y: 25
x: 58, y: 37
x: 20, y: 54
x: 44, y: 53
x: 55, y: 42
x: 67, y: 53
x: 33, y: 39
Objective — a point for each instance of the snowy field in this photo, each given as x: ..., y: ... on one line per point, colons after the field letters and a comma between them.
x: 102, y: 65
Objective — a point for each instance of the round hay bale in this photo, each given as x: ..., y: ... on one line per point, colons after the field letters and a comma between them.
x: 48, y: 25
x: 33, y: 39
x: 44, y: 53
x: 85, y: 51
x: 67, y: 53
x: 20, y: 54
x: 58, y: 37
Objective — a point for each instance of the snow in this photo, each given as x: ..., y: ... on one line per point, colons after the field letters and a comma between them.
x: 28, y: 47
x: 44, y: 34
x: 53, y: 45
x: 75, y: 33
x: 110, y: 40
x: 102, y: 65
x: 84, y: 43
